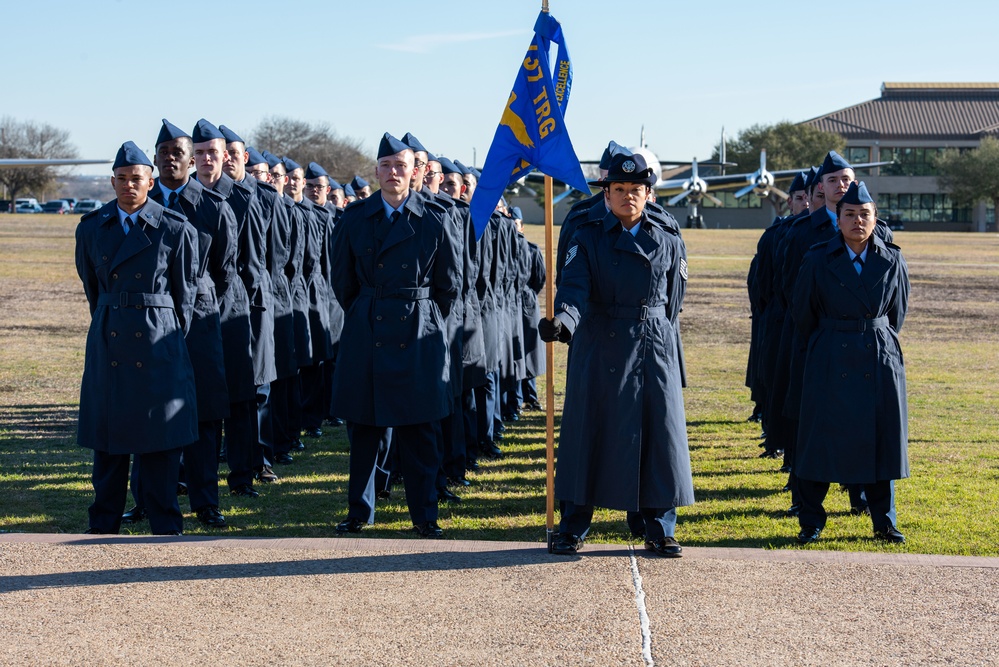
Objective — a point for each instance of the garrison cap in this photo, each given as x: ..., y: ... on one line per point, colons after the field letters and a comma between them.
x: 798, y: 183
x: 834, y: 162
x: 811, y: 178
x: 626, y: 168
x: 230, y: 136
x: 465, y: 171
x: 475, y: 172
x: 516, y: 213
x: 205, y: 131
x: 413, y: 143
x: 256, y: 157
x: 272, y: 160
x: 613, y: 148
x: 856, y: 194
x: 431, y: 157
x: 358, y: 183
x: 348, y: 191
x: 389, y: 145
x: 447, y: 166
x: 315, y: 171
x: 334, y: 185
x: 130, y: 155
x: 290, y: 165
x: 169, y: 131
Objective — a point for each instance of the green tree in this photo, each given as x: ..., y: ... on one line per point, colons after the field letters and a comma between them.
x: 31, y: 140
x: 342, y: 157
x: 788, y: 146
x: 971, y: 176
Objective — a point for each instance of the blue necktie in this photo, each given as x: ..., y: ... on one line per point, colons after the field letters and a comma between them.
x: 858, y: 264
x: 129, y: 224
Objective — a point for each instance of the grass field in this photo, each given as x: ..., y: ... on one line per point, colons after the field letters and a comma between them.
x: 950, y: 505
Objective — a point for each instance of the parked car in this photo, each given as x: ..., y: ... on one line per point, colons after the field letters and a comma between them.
x: 60, y: 206
x: 28, y: 208
x: 71, y: 201
x: 20, y: 201
x: 87, y: 205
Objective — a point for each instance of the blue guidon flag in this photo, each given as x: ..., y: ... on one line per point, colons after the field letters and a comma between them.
x: 531, y: 132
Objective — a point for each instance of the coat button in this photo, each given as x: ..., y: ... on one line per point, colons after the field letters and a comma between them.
x: 104, y: 258
x: 612, y: 334
x: 370, y: 251
x: 402, y: 318
x: 114, y: 276
x: 868, y: 316
x: 114, y: 334
x: 614, y: 262
x: 138, y: 307
x: 647, y: 265
x: 843, y: 376
x: 138, y: 364
x: 138, y: 276
x: 138, y: 334
x: 869, y: 346
x: 405, y: 266
x: 842, y: 284
x: 643, y: 301
x: 613, y: 370
x: 844, y: 344
x: 378, y: 344
x: 402, y: 345
x: 378, y: 317
x: 381, y: 266
x: 114, y: 364
x: 867, y: 376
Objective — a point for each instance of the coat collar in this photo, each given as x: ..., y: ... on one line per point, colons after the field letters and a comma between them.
x: 192, y: 192
x: 137, y: 240
x: 224, y: 185
x: 645, y: 242
x: 867, y: 284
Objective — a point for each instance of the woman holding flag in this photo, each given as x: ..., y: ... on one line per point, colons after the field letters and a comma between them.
x: 623, y: 443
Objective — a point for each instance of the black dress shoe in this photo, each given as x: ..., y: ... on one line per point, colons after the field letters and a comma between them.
x: 181, y: 489
x: 335, y: 421
x: 94, y: 531
x: 350, y: 525
x: 638, y: 535
x: 490, y: 450
x: 266, y: 475
x: 772, y: 454
x: 284, y: 459
x: 567, y: 544
x: 890, y: 534
x: 211, y: 517
x: 134, y: 515
x: 512, y: 417
x: 471, y: 465
x: 793, y: 510
x: 535, y: 407
x: 809, y: 534
x: 313, y: 432
x: 429, y: 530
x: 244, y: 491
x: 667, y: 547
x: 458, y: 481
x: 860, y: 510
x: 298, y: 446
x: 784, y: 469
x: 445, y: 495
x: 384, y: 494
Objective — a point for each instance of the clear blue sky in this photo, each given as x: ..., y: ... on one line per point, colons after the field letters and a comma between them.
x: 107, y: 71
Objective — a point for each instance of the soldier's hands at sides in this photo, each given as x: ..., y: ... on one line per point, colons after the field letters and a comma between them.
x: 552, y: 330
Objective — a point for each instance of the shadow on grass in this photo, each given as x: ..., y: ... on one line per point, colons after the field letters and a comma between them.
x: 29, y: 423
x: 361, y: 564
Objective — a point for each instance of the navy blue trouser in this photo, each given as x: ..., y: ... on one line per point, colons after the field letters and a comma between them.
x: 199, y: 469
x: 283, y: 437
x: 314, y: 409
x: 660, y: 522
x: 469, y: 416
x: 485, y: 408
x: 529, y: 389
x: 512, y: 396
x: 241, y: 441
x: 418, y: 462
x: 158, y: 474
x: 880, y: 500
x: 452, y: 445
x: 264, y: 451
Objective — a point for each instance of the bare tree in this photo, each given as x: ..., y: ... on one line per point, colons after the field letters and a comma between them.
x: 31, y: 140
x: 971, y: 176
x: 303, y: 142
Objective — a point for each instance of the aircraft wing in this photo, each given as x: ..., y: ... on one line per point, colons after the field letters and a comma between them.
x: 675, y: 185
x: 55, y: 162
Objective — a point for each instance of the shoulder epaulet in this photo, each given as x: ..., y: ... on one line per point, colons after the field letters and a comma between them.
x: 90, y: 215
x: 170, y: 213
x: 893, y: 246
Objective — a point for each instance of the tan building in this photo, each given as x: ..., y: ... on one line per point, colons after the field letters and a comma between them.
x: 912, y: 123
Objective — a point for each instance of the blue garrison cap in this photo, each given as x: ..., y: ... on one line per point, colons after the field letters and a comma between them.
x: 413, y: 142
x: 389, y: 145
x: 334, y: 185
x: 447, y: 166
x: 798, y: 183
x: 627, y: 168
x: 205, y: 131
x: 857, y: 194
x: 230, y: 136
x: 348, y: 191
x: 475, y: 172
x: 290, y: 165
x: 359, y: 183
x: 314, y: 170
x: 129, y: 155
x: 465, y: 171
x: 170, y: 131
x: 834, y: 162
x: 272, y: 160
x: 256, y: 157
x: 613, y: 148
x: 431, y: 157
x: 811, y: 177
x: 516, y: 213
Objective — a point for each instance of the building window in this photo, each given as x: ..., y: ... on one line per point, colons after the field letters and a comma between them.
x: 910, y: 161
x: 921, y: 208
x: 859, y: 155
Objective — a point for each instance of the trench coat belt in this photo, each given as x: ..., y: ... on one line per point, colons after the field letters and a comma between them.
x: 137, y: 299
x: 863, y: 324
x: 407, y: 293
x: 210, y: 291
x: 619, y: 312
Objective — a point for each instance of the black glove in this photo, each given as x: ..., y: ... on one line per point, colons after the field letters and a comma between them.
x: 552, y: 330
